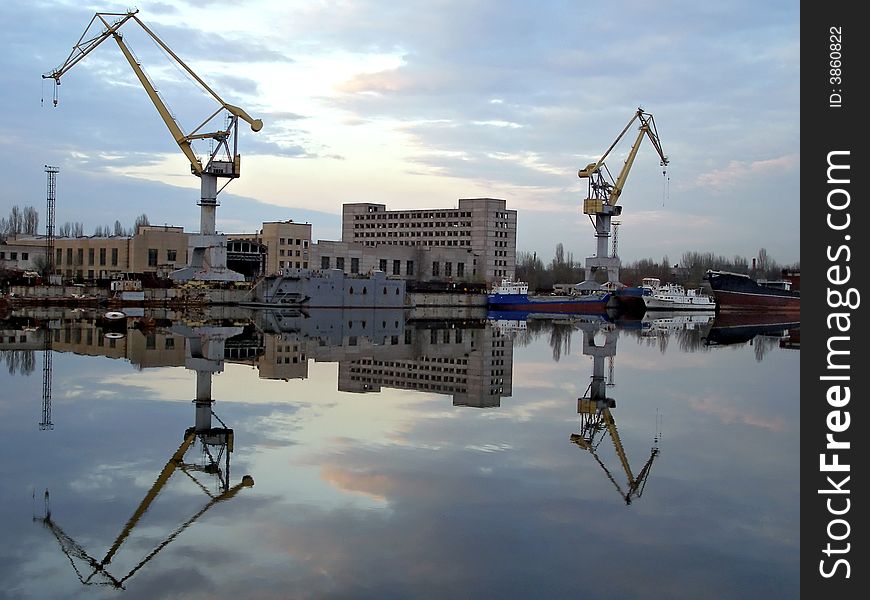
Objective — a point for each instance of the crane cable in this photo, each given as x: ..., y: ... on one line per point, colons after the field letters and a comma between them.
x: 666, y: 185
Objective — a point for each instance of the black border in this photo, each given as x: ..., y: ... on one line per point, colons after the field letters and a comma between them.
x: 825, y: 129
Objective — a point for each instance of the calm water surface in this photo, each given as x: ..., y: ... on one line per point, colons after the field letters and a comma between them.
x: 357, y: 455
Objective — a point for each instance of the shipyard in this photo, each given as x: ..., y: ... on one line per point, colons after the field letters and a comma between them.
x: 431, y: 301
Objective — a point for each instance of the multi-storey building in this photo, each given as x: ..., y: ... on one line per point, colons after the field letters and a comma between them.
x: 287, y: 245
x: 479, y: 235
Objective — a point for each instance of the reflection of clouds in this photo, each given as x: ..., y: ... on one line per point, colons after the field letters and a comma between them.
x: 729, y: 414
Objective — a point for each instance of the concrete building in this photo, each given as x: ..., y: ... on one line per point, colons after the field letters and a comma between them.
x: 21, y: 257
x: 474, y: 242
x: 288, y: 245
x: 157, y: 249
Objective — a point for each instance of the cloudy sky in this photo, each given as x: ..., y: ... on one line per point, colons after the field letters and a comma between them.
x: 418, y: 104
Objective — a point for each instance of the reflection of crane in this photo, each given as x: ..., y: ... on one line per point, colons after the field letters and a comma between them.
x: 604, y: 193
x: 221, y: 437
x: 596, y: 420
x: 207, y: 252
x: 205, y: 352
x: 46, y: 423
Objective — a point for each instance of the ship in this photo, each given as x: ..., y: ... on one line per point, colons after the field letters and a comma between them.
x: 673, y: 296
x: 735, y: 291
x: 512, y: 295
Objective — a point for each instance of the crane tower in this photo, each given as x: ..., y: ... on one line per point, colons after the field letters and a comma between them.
x: 207, y: 251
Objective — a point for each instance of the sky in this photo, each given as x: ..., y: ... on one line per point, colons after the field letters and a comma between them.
x: 417, y: 104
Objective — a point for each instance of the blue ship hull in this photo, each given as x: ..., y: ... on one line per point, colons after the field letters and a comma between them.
x: 592, y: 304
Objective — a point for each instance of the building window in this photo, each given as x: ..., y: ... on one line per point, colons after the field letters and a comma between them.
x: 171, y: 255
x: 354, y: 265
x: 397, y: 267
x: 114, y: 257
x: 2, y: 256
x: 409, y: 267
x: 339, y: 262
x: 90, y: 256
x: 281, y: 252
x: 460, y: 269
x: 25, y: 256
x: 324, y: 262
x: 281, y: 264
x: 382, y: 265
x: 436, y: 269
x: 58, y: 256
x: 283, y: 241
x: 152, y: 257
x: 448, y: 269
x: 102, y: 256
x: 80, y: 256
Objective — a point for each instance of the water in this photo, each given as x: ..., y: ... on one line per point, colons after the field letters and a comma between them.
x: 395, y: 459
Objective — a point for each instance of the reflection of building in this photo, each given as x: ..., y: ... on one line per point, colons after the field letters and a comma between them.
x: 473, y: 365
x: 374, y: 348
x: 474, y: 242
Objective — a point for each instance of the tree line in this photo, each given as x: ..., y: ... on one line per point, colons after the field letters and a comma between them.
x: 688, y: 271
x: 26, y: 222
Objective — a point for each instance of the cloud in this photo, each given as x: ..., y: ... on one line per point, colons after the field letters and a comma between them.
x: 732, y: 175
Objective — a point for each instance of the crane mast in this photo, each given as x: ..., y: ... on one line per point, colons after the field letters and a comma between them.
x: 207, y: 250
x: 604, y: 193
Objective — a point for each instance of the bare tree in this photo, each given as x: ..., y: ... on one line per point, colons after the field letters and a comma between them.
x: 140, y: 220
x: 30, y: 221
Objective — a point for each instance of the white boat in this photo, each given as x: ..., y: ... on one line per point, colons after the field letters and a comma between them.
x: 672, y: 296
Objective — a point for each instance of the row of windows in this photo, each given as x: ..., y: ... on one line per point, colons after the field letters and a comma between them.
x: 291, y: 265
x: 14, y: 256
x: 424, y: 224
x: 413, y: 215
x: 293, y: 242
x: 448, y: 269
x: 326, y: 263
x: 382, y: 234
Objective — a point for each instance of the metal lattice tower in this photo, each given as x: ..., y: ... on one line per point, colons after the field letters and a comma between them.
x: 50, y: 199
x: 46, y: 423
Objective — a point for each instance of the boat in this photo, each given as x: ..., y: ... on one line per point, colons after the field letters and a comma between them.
x: 735, y: 291
x: 514, y: 296
x: 673, y: 296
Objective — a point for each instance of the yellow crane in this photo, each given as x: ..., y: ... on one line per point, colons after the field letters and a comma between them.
x: 99, y: 569
x: 603, y: 192
x: 207, y: 251
x: 596, y: 418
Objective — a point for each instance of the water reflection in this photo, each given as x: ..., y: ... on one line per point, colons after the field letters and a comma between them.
x: 204, y: 349
x: 437, y: 488
x: 596, y: 418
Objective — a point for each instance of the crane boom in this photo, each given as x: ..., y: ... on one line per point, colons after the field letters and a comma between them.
x: 85, y: 46
x: 604, y: 192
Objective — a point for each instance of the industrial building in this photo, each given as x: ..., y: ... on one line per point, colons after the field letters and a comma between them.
x: 475, y: 242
